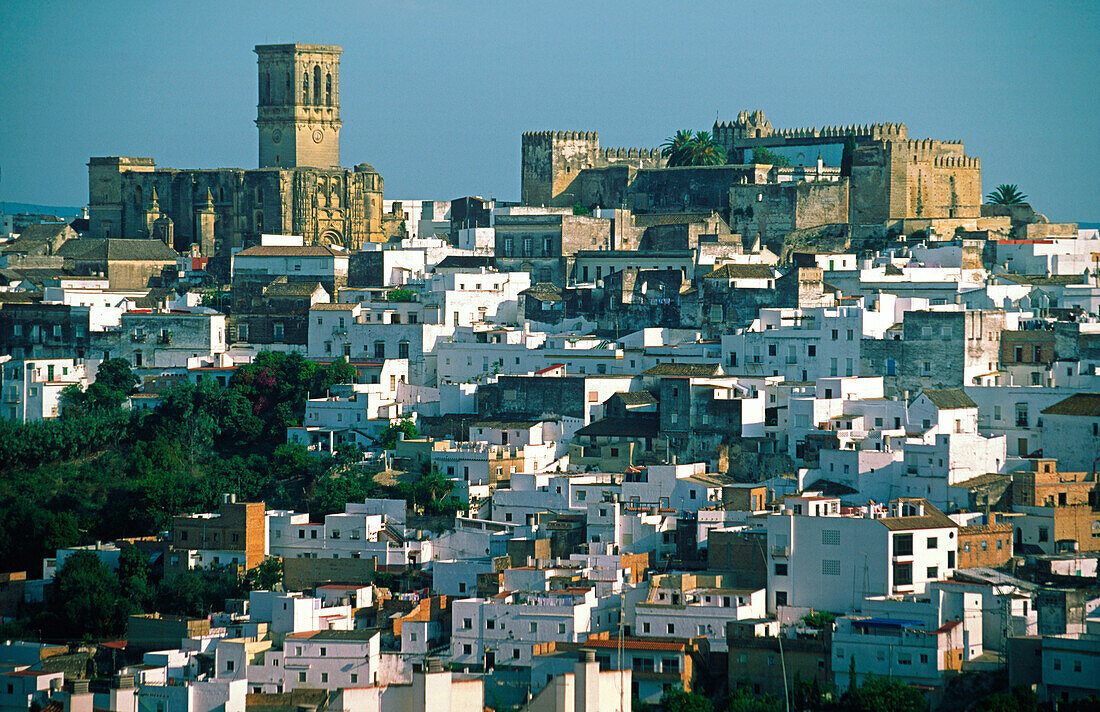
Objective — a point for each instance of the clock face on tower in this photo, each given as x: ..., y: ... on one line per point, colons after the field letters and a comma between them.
x: 318, y: 135
x: 276, y: 136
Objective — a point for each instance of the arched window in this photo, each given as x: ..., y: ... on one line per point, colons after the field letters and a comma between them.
x: 305, y: 87
x: 328, y: 89
x: 316, y: 84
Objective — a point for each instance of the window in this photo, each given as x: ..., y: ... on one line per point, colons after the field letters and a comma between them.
x: 324, y: 677
x: 302, y: 676
x: 466, y: 649
x: 811, y: 350
x: 533, y: 626
x: 1044, y: 534
x: 645, y: 627
x: 903, y: 545
x: 561, y: 628
x: 933, y: 543
x: 903, y: 574
x: 380, y: 349
x: 830, y: 537
x: 780, y: 598
x: 277, y: 331
x: 229, y: 666
x: 780, y: 569
x: 1057, y: 663
x: 323, y: 652
x: 467, y: 624
x: 671, y: 628
x: 933, y: 573
x: 354, y: 678
x: 1021, y: 415
x: 402, y: 349
x: 830, y: 567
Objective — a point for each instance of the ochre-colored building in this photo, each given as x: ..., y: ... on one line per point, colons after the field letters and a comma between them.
x: 235, y: 536
x: 985, y: 544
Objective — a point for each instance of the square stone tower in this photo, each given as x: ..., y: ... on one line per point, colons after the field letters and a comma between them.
x: 298, y: 115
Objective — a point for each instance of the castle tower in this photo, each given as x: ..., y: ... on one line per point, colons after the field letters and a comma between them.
x: 298, y: 115
x: 204, y: 225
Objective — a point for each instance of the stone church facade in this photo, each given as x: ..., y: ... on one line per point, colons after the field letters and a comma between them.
x: 299, y: 188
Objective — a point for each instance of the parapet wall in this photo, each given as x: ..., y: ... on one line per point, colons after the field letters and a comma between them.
x: 552, y: 161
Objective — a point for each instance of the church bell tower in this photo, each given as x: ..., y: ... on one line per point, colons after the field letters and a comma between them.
x: 298, y: 114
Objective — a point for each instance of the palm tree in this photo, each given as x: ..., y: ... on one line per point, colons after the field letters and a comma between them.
x: 705, y: 151
x: 687, y: 149
x: 677, y: 147
x: 1006, y: 194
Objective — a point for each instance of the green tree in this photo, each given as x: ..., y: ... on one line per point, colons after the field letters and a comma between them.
x: 679, y: 700
x: 331, y: 494
x: 134, y: 575
x: 997, y: 702
x: 819, y: 619
x: 1006, y: 194
x: 677, y: 148
x: 763, y: 156
x: 387, y: 439
x: 85, y: 598
x: 880, y: 694
x: 198, y: 592
x: 401, y: 295
x: 742, y: 699
x: 699, y: 149
x: 265, y: 576
x: 116, y: 374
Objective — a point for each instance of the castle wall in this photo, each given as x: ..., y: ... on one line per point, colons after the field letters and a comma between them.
x: 940, y: 180
x: 553, y: 160
x: 772, y: 210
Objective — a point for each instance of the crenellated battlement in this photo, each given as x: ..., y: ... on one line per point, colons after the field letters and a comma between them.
x: 957, y: 162
x: 755, y: 127
x: 612, y: 153
x: 563, y: 135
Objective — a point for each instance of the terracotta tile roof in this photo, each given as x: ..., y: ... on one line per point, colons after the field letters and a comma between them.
x: 113, y: 249
x: 698, y: 370
x: 637, y: 644
x: 931, y: 519
x: 635, y: 397
x: 645, y: 425
x: 333, y: 307
x: 950, y: 399
x: 735, y: 271
x: 1086, y: 405
x: 1000, y: 528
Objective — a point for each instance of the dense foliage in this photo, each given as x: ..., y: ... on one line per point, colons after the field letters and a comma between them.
x: 102, y: 473
x: 763, y: 156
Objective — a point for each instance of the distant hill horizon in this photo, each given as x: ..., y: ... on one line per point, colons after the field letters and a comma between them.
x: 63, y: 211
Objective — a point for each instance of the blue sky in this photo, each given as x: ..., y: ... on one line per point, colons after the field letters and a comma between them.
x: 436, y: 94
